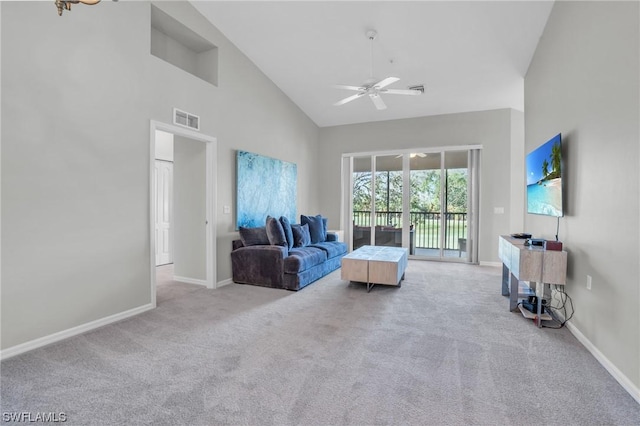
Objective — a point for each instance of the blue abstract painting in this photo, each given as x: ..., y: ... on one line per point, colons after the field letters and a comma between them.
x: 266, y: 186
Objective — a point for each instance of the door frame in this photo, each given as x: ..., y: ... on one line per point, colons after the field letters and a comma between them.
x: 210, y: 185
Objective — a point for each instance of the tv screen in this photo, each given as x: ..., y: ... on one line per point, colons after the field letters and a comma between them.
x: 544, y: 179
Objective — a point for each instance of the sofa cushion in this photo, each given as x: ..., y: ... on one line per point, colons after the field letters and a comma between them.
x: 303, y: 258
x: 254, y: 236
x: 333, y: 248
x: 306, y: 235
x: 288, y: 233
x: 275, y: 233
x: 317, y: 227
x: 301, y: 237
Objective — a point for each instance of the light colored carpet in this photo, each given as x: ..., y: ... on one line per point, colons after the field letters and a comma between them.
x: 167, y: 288
x: 441, y: 350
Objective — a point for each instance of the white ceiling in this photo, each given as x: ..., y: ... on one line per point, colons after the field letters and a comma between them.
x: 470, y: 55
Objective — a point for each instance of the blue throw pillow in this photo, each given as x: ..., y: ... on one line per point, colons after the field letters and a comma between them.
x: 275, y: 233
x: 301, y: 237
x: 254, y: 236
x: 286, y: 226
x: 317, y: 227
x: 306, y: 235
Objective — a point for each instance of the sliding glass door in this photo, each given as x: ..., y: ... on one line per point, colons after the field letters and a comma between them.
x: 419, y: 200
x: 361, y: 200
x: 439, y: 204
x: 425, y: 203
x: 388, y: 201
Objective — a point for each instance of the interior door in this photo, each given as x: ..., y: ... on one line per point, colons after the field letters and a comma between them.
x: 164, y: 210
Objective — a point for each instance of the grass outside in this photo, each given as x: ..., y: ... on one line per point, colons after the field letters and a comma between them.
x: 427, y: 232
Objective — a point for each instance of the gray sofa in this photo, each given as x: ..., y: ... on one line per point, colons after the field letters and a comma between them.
x: 262, y: 257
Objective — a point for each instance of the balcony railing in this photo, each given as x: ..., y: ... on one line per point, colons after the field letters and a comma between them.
x: 426, y: 226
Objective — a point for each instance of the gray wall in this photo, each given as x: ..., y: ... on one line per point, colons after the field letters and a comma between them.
x: 517, y: 179
x: 583, y: 82
x: 75, y: 154
x: 494, y: 130
x: 189, y: 209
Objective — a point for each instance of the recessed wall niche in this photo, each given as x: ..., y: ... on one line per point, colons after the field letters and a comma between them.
x: 173, y: 42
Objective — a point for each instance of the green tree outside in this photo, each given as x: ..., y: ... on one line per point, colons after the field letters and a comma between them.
x: 425, y: 204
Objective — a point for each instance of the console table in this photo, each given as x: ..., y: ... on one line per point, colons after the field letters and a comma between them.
x: 535, y: 265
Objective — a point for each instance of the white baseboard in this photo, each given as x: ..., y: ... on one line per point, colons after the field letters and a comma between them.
x: 224, y: 282
x: 188, y: 280
x: 485, y: 263
x: 61, y: 335
x: 624, y: 381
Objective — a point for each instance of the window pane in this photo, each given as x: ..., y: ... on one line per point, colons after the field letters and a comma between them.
x: 456, y: 175
x: 425, y: 203
x: 361, y: 201
x: 388, y: 201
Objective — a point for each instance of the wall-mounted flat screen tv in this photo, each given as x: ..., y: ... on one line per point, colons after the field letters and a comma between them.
x: 544, y: 179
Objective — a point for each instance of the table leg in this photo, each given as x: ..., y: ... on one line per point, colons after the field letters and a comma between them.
x: 513, y: 296
x: 505, y: 280
x: 541, y: 289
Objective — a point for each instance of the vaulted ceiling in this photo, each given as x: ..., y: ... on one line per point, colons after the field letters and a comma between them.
x: 469, y: 55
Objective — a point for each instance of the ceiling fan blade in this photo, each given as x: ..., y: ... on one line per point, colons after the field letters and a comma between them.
x: 377, y: 101
x: 387, y: 81
x: 401, y: 92
x: 349, y: 99
x: 342, y: 86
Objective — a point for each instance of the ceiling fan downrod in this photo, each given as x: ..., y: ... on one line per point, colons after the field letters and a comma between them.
x: 371, y: 35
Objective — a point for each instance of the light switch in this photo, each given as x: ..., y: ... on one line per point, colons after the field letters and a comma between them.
x: 498, y: 210
x: 226, y: 209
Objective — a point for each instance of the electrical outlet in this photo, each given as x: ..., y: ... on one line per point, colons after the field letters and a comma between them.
x: 588, y: 282
x: 226, y: 209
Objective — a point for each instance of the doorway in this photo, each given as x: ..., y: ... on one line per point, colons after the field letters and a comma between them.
x: 188, y: 237
x: 440, y: 204
x: 424, y: 200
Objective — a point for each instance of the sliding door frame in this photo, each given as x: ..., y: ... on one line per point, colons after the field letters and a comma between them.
x: 473, y: 194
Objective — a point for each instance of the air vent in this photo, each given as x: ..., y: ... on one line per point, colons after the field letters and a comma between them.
x: 185, y: 119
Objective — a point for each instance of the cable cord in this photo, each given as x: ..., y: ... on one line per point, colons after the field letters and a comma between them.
x: 555, y: 310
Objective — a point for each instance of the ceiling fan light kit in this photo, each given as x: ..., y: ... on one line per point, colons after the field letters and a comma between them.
x: 375, y: 88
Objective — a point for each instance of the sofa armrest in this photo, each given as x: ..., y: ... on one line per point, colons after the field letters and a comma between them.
x: 258, y: 264
x: 332, y: 236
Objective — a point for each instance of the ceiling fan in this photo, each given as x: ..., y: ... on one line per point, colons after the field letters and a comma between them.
x: 414, y: 155
x: 375, y: 88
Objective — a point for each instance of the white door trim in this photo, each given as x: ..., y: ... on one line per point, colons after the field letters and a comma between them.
x: 211, y: 197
